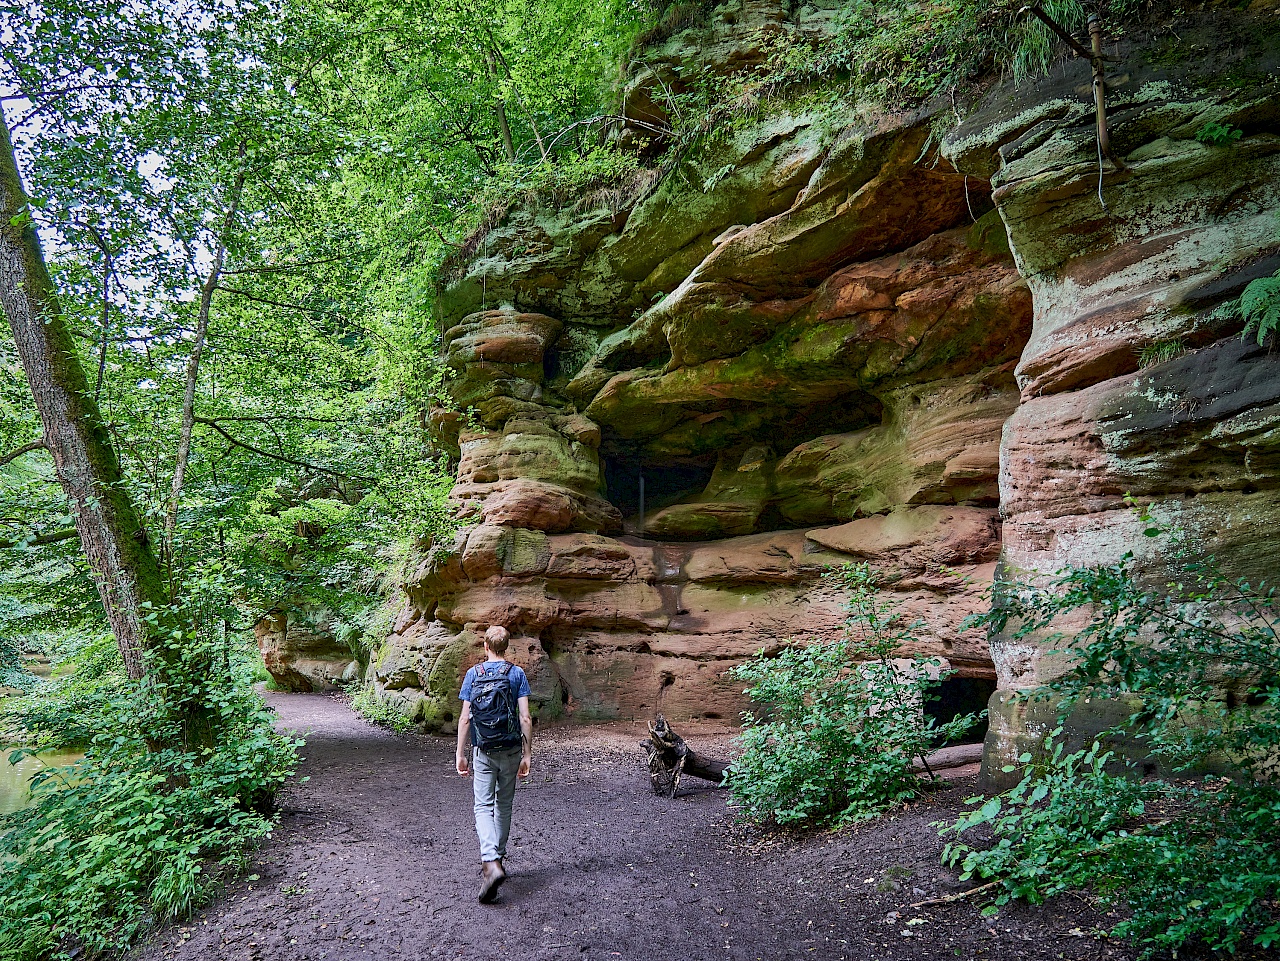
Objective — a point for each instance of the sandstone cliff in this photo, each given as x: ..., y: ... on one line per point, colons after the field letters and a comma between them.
x: 677, y: 415
x: 1135, y: 379
x: 824, y: 336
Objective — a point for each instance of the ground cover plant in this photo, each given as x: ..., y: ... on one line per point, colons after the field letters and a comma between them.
x: 147, y: 824
x: 841, y: 725
x: 1191, y: 853
x: 1260, y: 307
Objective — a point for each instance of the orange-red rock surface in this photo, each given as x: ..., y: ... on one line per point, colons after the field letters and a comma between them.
x: 1135, y: 380
x: 825, y: 384
x: 822, y: 339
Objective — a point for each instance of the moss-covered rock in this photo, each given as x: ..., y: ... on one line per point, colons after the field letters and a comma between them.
x: 1119, y: 261
x: 815, y: 338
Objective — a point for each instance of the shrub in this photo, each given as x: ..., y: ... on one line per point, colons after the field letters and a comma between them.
x: 372, y: 708
x: 1218, y: 135
x: 1260, y: 307
x: 842, y: 721
x: 135, y: 833
x: 1194, y: 856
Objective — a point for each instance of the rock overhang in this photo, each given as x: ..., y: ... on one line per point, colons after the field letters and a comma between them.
x: 844, y: 338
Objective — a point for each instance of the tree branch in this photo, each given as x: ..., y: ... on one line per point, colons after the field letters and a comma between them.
x: 108, y: 271
x: 285, y: 268
x: 267, y: 418
x: 209, y: 422
x: 193, y: 364
x: 53, y: 538
x: 24, y: 449
x: 265, y: 300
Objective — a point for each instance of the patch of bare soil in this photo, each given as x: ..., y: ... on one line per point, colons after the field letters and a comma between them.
x: 376, y: 857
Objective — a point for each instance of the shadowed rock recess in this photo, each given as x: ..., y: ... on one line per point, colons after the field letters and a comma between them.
x: 824, y: 337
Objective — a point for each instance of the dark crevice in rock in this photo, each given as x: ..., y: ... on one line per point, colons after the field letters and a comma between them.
x: 664, y: 483
x: 958, y: 694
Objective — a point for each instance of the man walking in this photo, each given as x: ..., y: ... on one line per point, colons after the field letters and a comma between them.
x: 495, y: 720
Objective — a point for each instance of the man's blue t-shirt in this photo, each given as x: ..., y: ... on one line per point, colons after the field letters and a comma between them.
x: 516, y: 677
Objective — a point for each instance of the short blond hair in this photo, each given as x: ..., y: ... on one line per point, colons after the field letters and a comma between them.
x: 497, y: 638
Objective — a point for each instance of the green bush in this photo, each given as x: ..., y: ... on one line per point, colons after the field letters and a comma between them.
x: 1260, y: 307
x: 1218, y: 135
x: 136, y: 833
x: 372, y: 708
x: 843, y: 722
x: 1193, y: 856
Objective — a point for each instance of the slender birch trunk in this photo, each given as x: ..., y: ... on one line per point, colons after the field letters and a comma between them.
x: 500, y: 108
x: 193, y: 373
x: 515, y: 88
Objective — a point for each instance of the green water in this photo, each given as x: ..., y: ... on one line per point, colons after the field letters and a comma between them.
x: 15, y: 780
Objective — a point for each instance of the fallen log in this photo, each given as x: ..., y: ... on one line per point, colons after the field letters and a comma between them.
x: 957, y: 755
x: 670, y: 758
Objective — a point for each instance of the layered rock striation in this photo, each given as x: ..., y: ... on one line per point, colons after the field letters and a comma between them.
x: 672, y: 419
x: 820, y: 338
x: 1135, y: 381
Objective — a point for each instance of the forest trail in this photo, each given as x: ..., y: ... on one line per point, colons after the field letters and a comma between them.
x: 376, y: 858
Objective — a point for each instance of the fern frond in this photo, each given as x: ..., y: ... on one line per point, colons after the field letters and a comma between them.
x: 1260, y: 307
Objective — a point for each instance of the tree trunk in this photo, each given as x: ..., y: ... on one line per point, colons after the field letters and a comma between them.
x: 193, y: 373
x: 533, y: 121
x: 670, y: 758
x: 104, y: 340
x: 115, y: 543
x: 500, y: 108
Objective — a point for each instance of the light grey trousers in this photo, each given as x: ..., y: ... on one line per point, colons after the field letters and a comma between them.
x: 493, y: 778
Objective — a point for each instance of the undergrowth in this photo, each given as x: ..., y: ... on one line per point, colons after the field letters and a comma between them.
x: 903, y: 52
x: 368, y: 705
x: 1192, y: 855
x: 146, y: 826
x: 602, y: 177
x: 1161, y: 352
x: 841, y: 723
x: 892, y: 53
x: 1260, y: 307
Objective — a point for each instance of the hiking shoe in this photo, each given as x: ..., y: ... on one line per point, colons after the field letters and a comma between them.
x: 491, y: 875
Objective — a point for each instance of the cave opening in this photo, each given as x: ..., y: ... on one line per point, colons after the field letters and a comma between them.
x: 848, y: 411
x: 957, y: 695
x: 663, y: 484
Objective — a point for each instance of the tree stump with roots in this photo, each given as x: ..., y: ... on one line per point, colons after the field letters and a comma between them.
x: 670, y: 759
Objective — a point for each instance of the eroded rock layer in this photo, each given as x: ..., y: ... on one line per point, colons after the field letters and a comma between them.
x: 1135, y: 380
x: 820, y: 339
x: 672, y: 419
x: 300, y: 651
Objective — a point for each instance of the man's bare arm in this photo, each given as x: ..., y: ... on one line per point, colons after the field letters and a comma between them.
x: 461, y: 761
x: 526, y: 737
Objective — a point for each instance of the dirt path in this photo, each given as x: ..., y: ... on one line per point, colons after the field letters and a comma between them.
x: 376, y: 858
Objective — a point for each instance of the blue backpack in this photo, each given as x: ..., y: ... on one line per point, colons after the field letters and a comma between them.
x: 495, y: 720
